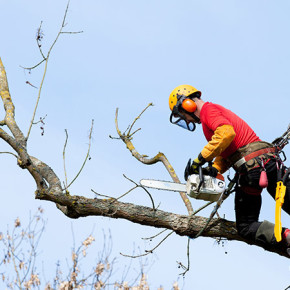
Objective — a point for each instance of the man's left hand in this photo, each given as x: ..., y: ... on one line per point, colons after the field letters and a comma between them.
x: 192, y: 168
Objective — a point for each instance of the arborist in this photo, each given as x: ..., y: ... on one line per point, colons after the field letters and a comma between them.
x: 233, y: 143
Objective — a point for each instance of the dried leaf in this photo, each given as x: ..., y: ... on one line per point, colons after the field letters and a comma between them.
x: 100, y: 268
x: 17, y: 223
x: 74, y: 256
x: 88, y: 241
x: 21, y: 265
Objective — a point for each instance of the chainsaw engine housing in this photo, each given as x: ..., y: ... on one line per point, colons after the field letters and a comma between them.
x: 210, y: 190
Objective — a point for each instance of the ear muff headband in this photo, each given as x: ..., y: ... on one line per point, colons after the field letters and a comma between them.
x: 189, y: 105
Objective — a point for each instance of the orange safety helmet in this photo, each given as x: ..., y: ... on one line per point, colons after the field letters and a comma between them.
x: 180, y: 100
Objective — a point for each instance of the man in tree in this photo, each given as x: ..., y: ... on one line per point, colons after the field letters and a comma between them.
x: 232, y: 143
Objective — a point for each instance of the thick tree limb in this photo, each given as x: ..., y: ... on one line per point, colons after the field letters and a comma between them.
x: 9, y: 108
x: 79, y: 206
x: 24, y: 160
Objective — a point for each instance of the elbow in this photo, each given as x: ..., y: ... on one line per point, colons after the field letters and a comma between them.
x: 229, y: 133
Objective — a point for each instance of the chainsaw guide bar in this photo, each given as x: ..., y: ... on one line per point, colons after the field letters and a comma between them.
x: 163, y: 185
x: 209, y: 188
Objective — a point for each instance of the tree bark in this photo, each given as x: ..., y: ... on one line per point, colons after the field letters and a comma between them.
x: 183, y: 225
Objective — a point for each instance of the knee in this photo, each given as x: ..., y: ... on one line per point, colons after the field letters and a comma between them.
x: 247, y: 230
x: 265, y: 233
x: 243, y: 229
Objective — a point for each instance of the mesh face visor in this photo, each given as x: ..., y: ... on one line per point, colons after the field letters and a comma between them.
x: 178, y: 119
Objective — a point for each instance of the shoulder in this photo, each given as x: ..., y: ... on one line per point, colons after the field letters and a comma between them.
x: 214, y: 115
x: 210, y: 110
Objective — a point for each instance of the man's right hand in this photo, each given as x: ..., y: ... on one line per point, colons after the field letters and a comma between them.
x: 210, y: 170
x: 195, y: 164
x: 192, y: 168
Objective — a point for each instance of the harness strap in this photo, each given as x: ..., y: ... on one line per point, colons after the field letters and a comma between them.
x: 252, y: 155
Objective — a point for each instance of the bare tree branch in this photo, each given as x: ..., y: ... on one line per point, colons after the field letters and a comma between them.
x: 9, y: 119
x: 86, y: 158
x: 9, y: 153
x: 79, y: 206
x: 45, y: 59
x: 63, y: 155
x: 147, y: 252
x: 160, y: 157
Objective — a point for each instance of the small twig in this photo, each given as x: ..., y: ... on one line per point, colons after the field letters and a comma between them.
x: 45, y: 68
x: 38, y: 98
x: 71, y: 32
x: 39, y: 37
x: 154, y: 208
x: 150, y: 238
x: 103, y: 195
x: 64, y: 18
x: 115, y: 138
x: 87, y: 156
x: 128, y: 134
x: 126, y: 130
x: 124, y: 194
x: 181, y: 265
x: 33, y: 67
x: 130, y: 190
x: 27, y: 82
x: 10, y: 154
x: 63, y: 154
x: 147, y: 252
x: 138, y: 185
x: 130, y: 138
x: 201, y: 208
x: 12, y: 249
x: 40, y: 120
x: 188, y: 260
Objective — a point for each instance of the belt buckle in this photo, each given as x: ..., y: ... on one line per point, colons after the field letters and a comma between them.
x: 239, y: 163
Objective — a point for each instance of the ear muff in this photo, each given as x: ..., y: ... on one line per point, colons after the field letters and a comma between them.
x: 189, y: 105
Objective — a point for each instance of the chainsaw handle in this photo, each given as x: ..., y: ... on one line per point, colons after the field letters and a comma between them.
x: 201, y: 178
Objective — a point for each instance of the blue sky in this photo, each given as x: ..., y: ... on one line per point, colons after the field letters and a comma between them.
x: 130, y: 54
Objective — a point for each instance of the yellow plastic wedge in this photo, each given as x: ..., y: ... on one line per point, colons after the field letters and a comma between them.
x: 280, y: 193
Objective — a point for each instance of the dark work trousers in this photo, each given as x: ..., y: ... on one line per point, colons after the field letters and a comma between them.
x: 248, y: 204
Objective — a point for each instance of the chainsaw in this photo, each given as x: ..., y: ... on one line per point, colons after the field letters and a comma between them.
x: 198, y: 186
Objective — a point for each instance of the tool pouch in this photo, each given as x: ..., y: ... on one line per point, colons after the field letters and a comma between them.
x: 263, y: 182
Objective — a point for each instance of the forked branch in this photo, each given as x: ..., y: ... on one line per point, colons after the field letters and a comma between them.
x: 45, y: 59
x: 160, y: 157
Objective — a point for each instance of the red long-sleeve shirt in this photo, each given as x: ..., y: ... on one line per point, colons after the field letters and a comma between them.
x: 213, y: 116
